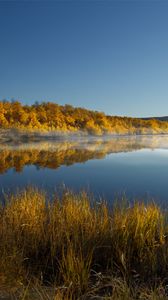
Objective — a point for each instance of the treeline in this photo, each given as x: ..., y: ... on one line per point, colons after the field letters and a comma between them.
x: 53, y: 117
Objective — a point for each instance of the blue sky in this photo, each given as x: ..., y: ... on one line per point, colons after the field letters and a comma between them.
x: 110, y: 56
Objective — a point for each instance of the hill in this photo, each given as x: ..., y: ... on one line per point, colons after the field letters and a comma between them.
x: 165, y: 118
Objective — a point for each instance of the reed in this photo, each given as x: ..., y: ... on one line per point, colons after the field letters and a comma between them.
x: 82, y: 248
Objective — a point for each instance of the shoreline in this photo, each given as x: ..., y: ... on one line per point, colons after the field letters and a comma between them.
x: 13, y: 134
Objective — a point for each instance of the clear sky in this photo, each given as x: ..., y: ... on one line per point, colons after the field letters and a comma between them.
x: 110, y: 56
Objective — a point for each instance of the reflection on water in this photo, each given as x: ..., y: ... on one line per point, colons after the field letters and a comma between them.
x: 113, y: 165
x: 56, y: 153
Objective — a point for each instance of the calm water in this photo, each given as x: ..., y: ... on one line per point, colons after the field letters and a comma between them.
x: 136, y: 166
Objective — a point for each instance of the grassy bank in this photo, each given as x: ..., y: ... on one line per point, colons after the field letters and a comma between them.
x: 75, y: 248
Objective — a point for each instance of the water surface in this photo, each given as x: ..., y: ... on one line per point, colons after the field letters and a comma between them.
x: 109, y: 167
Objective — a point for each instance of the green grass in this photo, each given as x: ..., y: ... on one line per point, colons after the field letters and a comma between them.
x: 75, y: 248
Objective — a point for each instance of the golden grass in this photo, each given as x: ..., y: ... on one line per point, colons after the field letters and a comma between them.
x: 82, y: 248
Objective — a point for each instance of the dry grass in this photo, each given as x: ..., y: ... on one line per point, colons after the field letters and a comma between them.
x: 81, y: 248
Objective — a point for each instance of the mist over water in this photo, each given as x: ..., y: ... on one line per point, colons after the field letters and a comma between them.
x: 106, y: 167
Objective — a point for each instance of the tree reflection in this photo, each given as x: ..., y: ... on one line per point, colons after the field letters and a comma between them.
x: 54, y: 154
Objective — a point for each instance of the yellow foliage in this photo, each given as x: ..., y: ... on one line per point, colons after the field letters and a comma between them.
x: 50, y: 116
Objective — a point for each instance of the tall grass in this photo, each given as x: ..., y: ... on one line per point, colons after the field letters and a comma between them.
x: 81, y: 247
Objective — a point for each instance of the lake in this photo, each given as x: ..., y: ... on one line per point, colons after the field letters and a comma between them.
x: 106, y: 167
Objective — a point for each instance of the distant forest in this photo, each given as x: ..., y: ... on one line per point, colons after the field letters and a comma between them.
x: 53, y: 117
